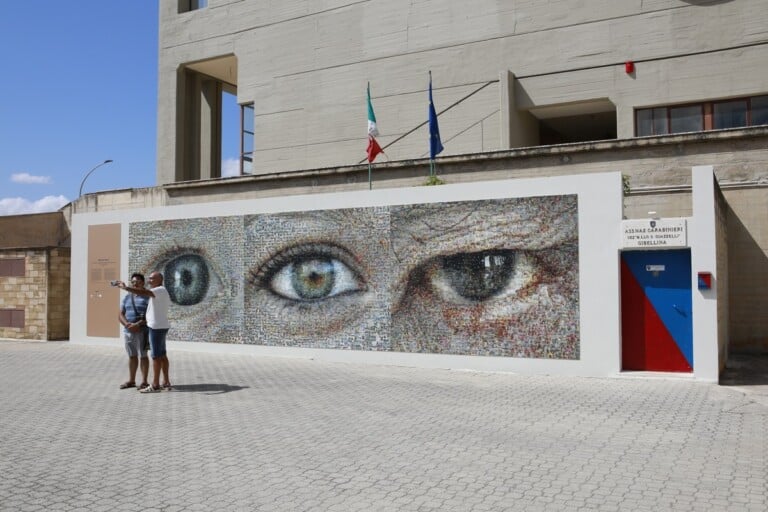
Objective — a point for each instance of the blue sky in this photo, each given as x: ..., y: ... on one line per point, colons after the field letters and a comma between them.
x: 79, y: 86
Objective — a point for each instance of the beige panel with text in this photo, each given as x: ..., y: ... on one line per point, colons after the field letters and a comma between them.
x: 103, y: 267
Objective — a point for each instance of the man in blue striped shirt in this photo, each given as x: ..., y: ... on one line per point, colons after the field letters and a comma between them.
x: 133, y: 311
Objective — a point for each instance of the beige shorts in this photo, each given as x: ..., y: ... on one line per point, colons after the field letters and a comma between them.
x: 136, y: 343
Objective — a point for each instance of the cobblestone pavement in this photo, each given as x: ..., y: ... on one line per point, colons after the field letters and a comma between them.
x: 272, y: 434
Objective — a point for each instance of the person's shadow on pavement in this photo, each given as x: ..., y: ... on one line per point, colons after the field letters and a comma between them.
x: 208, y: 389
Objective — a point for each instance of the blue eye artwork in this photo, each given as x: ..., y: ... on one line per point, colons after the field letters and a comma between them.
x: 489, y: 278
x: 186, y: 278
x: 202, y: 274
x: 310, y: 272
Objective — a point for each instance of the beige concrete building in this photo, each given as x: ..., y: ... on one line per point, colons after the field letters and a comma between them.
x: 526, y: 90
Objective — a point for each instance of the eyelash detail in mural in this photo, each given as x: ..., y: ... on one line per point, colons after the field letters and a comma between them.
x: 310, y: 272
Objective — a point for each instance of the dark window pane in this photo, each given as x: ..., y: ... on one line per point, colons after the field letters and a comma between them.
x: 759, y: 110
x: 644, y: 122
x: 686, y: 119
x: 651, y: 121
x: 730, y: 114
x: 247, y: 138
x: 660, y: 121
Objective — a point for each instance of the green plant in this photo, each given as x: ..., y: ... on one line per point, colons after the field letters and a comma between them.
x: 433, y: 180
x: 625, y: 184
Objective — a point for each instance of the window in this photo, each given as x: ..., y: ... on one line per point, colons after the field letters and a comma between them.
x: 759, y: 110
x: 191, y: 5
x: 11, y: 318
x: 735, y: 113
x: 12, y: 267
x: 208, y: 131
x: 246, y: 138
x: 730, y: 114
x: 686, y: 119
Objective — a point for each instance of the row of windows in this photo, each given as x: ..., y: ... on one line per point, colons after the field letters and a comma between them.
x: 696, y: 117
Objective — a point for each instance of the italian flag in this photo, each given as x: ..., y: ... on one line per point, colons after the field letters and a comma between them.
x: 373, y: 131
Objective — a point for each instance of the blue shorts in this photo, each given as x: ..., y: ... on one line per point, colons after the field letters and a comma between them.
x: 157, y: 342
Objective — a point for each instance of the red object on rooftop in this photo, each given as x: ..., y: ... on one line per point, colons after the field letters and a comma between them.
x: 629, y: 67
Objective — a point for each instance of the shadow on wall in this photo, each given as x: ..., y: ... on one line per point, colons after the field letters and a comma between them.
x: 745, y: 370
x: 747, y: 272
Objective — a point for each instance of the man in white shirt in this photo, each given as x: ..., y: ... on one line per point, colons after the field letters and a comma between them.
x: 157, y: 321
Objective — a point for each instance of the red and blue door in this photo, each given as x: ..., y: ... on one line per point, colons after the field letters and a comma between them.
x: 656, y: 323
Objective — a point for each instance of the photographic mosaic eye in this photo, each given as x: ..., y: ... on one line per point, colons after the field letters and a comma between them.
x: 310, y: 273
x: 187, y: 279
x: 467, y: 278
x: 475, y: 276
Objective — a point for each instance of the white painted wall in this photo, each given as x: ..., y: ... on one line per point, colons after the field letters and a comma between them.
x: 600, y: 209
x: 702, y: 229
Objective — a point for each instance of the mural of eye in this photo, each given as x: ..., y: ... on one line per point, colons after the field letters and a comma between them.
x: 201, y: 263
x: 310, y: 273
x: 189, y: 276
x: 473, y: 277
x: 313, y: 279
x: 187, y: 279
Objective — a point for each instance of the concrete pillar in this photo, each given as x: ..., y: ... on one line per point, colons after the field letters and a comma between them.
x: 518, y: 127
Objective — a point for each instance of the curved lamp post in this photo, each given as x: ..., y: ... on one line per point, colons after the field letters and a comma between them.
x: 89, y: 173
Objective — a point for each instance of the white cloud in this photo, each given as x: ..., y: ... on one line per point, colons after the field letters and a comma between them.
x: 19, y: 205
x: 25, y: 177
x: 230, y: 167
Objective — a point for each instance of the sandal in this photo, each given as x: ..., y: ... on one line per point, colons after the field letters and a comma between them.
x: 166, y: 386
x: 143, y: 385
x: 126, y: 385
x: 150, y: 389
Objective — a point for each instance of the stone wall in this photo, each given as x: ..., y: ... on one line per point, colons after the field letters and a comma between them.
x: 58, y: 294
x: 43, y: 294
x: 29, y: 293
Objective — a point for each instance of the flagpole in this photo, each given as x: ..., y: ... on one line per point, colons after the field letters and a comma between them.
x: 370, y: 186
x: 435, y: 146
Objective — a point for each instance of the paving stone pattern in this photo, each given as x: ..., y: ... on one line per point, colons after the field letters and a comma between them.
x: 272, y: 434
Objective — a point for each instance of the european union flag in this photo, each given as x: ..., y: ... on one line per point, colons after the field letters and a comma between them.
x: 435, y: 146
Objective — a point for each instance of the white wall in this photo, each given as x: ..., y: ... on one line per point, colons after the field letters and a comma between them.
x: 703, y: 227
x: 599, y: 217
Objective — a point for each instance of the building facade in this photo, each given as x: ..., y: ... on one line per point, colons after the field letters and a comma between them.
x: 504, y: 76
x: 539, y: 82
x: 34, y: 277
x: 549, y: 96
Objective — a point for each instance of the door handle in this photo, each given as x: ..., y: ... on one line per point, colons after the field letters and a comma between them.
x: 682, y: 312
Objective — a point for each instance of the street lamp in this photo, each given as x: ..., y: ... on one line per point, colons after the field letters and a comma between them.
x: 89, y: 173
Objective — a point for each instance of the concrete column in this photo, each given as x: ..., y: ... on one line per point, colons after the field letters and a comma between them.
x: 702, y: 240
x: 518, y: 127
